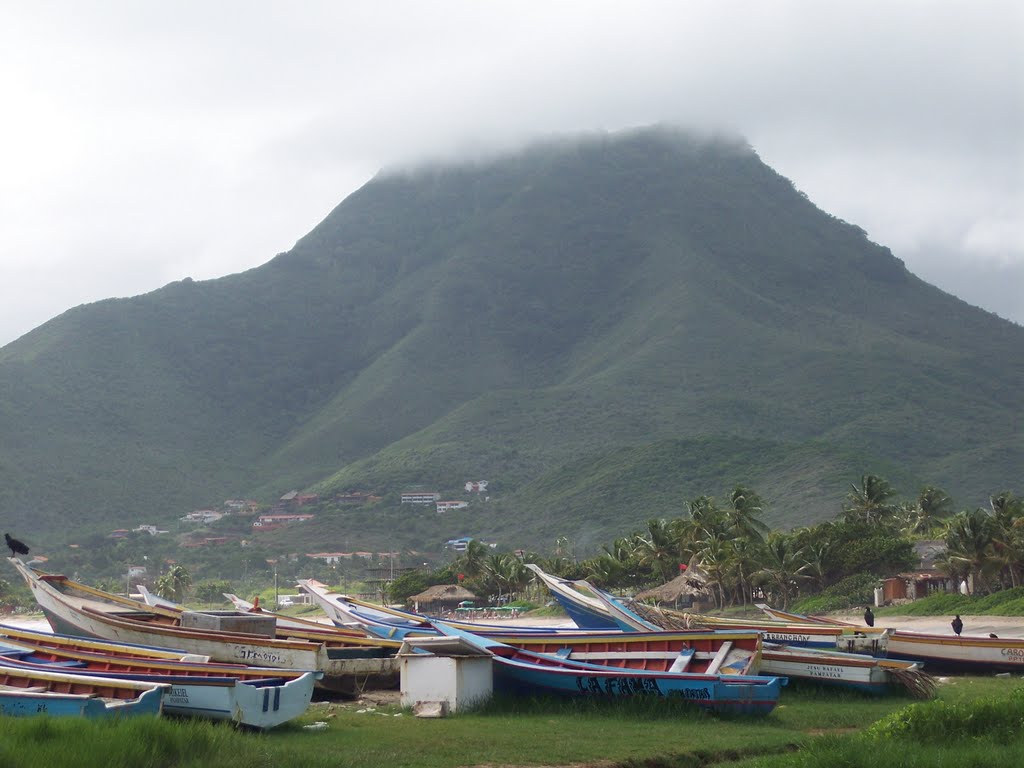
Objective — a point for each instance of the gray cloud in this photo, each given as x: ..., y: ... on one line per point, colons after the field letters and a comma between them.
x: 145, y: 143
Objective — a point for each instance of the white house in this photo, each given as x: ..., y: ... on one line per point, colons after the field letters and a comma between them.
x: 152, y: 530
x: 419, y: 497
x: 331, y: 558
x: 203, y: 516
x: 479, y: 486
x: 445, y: 506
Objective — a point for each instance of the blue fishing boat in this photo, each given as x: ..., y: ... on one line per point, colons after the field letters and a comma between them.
x: 61, y: 694
x: 586, y: 610
x: 253, y: 697
x: 522, y: 672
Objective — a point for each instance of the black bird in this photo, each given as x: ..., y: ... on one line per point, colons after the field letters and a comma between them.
x: 17, y: 547
x: 869, y: 617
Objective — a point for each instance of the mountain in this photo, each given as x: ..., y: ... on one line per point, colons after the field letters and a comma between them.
x: 602, y: 327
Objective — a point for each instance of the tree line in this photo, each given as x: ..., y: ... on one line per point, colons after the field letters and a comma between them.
x: 840, y: 560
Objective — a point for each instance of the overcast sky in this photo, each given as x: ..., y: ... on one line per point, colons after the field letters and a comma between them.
x: 144, y: 142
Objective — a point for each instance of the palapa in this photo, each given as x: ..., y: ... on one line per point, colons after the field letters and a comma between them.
x: 689, y: 587
x: 447, y: 595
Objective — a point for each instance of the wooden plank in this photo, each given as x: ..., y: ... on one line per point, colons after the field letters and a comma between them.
x: 682, y: 661
x: 716, y: 662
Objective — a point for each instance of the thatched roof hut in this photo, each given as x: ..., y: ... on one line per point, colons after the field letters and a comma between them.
x: 687, y: 590
x: 441, y: 597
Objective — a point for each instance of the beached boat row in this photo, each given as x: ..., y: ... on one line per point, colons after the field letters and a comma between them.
x: 721, y: 665
x: 789, y: 633
x: 712, y: 670
x: 121, y: 669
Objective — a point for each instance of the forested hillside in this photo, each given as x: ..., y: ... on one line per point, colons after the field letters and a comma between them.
x: 602, y: 327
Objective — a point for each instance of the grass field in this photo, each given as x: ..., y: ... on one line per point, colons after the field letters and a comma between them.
x: 973, y: 721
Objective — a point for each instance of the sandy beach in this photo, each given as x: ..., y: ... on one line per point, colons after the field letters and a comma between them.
x: 30, y: 621
x: 1004, y: 626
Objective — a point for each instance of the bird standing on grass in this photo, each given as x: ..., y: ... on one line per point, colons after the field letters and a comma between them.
x: 17, y: 547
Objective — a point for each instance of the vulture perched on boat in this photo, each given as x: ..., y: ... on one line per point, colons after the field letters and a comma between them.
x: 17, y: 547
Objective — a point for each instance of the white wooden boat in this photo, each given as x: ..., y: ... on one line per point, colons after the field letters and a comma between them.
x: 253, y: 697
x: 945, y: 652
x: 958, y: 652
x: 868, y: 674
x: 347, y: 663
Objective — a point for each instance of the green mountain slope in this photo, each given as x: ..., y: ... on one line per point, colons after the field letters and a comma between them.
x: 603, y: 328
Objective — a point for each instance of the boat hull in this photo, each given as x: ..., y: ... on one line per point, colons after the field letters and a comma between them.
x: 59, y: 694
x: 963, y: 653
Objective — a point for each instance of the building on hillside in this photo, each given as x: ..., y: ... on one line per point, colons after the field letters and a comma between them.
x: 331, y: 558
x: 420, y: 497
x: 446, y: 506
x: 269, y: 522
x: 306, y: 498
x: 242, y: 505
x: 152, y: 530
x: 204, y: 516
x: 459, y: 545
x: 478, y: 486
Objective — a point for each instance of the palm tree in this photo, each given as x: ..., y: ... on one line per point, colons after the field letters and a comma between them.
x: 715, y: 562
x: 926, y: 512
x: 784, y: 566
x: 867, y: 501
x: 1008, y: 521
x: 971, y: 547
x: 659, y: 550
x: 505, y: 573
x: 174, y: 584
x: 471, y: 563
x: 742, y: 514
x: 746, y: 556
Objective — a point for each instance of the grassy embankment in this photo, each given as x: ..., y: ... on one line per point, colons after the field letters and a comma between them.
x: 1008, y: 602
x: 973, y: 721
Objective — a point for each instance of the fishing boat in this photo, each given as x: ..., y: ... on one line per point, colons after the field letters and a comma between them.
x: 586, y: 610
x: 949, y: 653
x: 836, y: 638
x: 713, y: 652
x: 799, y: 618
x: 72, y: 642
x: 348, y: 662
x: 518, y: 671
x: 958, y: 653
x: 850, y: 639
x: 857, y: 671
x: 61, y: 694
x: 252, y: 697
x: 285, y: 626
x: 707, y: 651
x: 388, y: 622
